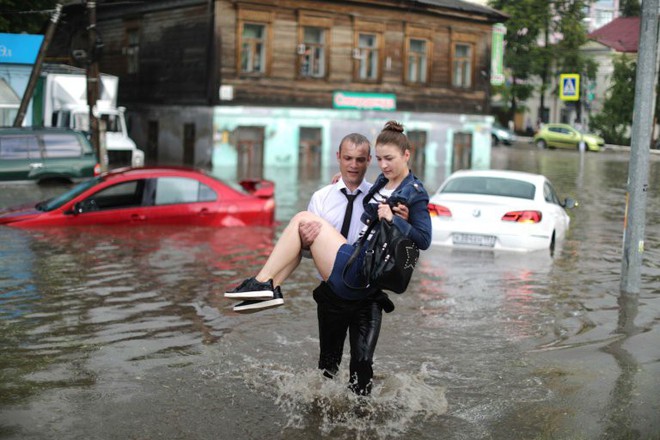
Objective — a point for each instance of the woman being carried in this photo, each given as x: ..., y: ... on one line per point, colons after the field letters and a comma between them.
x: 329, y: 250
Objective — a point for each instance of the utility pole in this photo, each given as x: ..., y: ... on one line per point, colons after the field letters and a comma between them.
x: 93, y: 85
x: 36, y: 69
x: 638, y: 169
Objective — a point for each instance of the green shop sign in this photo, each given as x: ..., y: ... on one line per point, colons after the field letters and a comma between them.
x: 497, y: 55
x: 364, y: 101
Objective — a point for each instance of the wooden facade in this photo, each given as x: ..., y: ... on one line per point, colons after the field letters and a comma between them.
x: 433, y: 55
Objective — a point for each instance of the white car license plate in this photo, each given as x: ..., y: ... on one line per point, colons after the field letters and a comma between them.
x: 474, y: 240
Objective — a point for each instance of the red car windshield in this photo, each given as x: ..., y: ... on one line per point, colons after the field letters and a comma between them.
x: 60, y: 200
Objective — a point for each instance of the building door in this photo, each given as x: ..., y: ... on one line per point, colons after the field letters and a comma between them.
x: 152, y: 143
x: 189, y: 144
x: 309, y: 152
x: 250, y: 150
x: 418, y: 151
x: 462, y: 151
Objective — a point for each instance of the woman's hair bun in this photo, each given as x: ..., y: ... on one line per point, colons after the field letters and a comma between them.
x: 394, y: 126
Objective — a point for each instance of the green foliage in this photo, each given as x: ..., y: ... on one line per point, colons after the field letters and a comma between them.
x: 630, y: 8
x: 532, y: 21
x: 521, y: 52
x: 25, y: 16
x: 569, y: 58
x: 613, y: 121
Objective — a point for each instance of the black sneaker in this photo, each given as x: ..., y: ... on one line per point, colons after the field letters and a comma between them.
x: 256, y: 305
x: 252, y: 289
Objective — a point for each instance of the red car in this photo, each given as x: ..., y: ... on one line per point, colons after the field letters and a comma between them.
x: 152, y: 196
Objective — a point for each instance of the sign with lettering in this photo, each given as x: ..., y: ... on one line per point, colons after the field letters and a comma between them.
x: 497, y: 55
x: 364, y: 101
x: 19, y: 48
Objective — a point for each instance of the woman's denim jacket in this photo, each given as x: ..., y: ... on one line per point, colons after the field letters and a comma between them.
x: 411, y: 193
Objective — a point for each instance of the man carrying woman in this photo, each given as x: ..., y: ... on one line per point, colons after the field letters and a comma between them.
x: 330, y: 250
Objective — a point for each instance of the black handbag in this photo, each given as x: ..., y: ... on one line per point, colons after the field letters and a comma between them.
x: 389, y: 258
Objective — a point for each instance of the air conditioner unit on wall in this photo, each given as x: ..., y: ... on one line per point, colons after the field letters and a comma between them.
x: 301, y: 49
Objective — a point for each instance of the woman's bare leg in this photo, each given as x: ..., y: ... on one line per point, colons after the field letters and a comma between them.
x: 285, y: 256
x: 284, y: 273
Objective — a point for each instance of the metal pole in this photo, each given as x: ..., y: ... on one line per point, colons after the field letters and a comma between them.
x: 93, y: 84
x: 638, y: 169
x: 36, y: 69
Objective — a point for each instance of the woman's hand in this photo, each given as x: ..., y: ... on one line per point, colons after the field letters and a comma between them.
x: 385, y: 212
x: 402, y: 211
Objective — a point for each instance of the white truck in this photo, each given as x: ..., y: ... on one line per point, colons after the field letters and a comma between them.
x: 65, y: 105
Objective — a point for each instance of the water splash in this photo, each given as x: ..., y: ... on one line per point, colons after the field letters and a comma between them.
x: 311, y: 401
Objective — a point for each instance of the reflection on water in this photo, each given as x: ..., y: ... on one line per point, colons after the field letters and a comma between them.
x: 124, y: 333
x: 113, y: 295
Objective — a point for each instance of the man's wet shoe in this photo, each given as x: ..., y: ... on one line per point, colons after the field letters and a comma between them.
x: 257, y: 305
x: 252, y: 289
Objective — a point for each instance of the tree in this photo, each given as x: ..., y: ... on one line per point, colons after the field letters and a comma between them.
x: 571, y: 26
x: 630, y: 8
x: 25, y: 16
x: 614, y: 120
x: 523, y: 28
x: 530, y: 52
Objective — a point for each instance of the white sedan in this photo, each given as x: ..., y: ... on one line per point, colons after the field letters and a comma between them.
x: 507, y: 210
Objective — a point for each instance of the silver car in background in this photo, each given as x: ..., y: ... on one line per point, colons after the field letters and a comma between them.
x: 501, y: 135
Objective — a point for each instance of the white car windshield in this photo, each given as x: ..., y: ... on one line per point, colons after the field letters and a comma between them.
x: 491, y: 186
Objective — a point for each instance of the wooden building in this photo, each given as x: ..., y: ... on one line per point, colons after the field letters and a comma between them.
x: 253, y: 84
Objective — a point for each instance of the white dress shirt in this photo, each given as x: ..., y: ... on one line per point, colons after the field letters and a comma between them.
x: 330, y: 203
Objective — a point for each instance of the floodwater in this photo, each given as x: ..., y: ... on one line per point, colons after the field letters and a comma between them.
x: 124, y: 333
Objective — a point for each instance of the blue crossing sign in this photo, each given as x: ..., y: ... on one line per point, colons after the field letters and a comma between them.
x: 569, y: 86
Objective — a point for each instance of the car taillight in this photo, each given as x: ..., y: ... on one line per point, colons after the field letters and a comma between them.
x: 439, y: 210
x: 269, y: 205
x: 97, y: 169
x: 523, y: 216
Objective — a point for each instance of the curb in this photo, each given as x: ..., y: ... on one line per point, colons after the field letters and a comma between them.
x: 607, y: 147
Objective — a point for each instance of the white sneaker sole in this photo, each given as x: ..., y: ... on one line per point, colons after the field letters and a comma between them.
x: 255, y: 294
x: 258, y: 306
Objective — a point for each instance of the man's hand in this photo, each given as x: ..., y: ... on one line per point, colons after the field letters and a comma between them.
x: 401, y: 210
x: 308, y: 232
x: 336, y: 178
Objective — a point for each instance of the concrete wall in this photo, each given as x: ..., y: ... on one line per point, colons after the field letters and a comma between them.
x: 282, y: 127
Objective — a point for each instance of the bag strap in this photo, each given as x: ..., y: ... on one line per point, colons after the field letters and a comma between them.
x: 358, y: 249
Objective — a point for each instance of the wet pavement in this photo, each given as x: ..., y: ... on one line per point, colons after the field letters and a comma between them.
x: 124, y: 334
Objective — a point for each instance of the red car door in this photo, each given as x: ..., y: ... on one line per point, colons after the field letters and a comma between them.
x: 117, y: 204
x: 183, y: 201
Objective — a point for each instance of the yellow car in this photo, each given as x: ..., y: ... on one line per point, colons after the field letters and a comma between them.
x: 565, y: 136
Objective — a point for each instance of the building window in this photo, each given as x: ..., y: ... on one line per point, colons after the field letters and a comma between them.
x: 312, y: 52
x: 253, y: 48
x: 132, y: 51
x: 10, y: 104
x: 603, y: 17
x: 417, y: 61
x: 462, y: 66
x: 368, y: 52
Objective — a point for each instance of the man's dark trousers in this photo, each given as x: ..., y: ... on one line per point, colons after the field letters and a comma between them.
x: 362, y: 320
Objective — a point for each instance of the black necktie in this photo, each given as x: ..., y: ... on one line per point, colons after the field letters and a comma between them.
x: 349, y: 212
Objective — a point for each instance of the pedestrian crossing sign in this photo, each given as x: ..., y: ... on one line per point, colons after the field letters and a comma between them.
x: 569, y: 89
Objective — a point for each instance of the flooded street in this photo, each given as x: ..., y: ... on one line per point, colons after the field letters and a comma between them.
x: 123, y: 333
